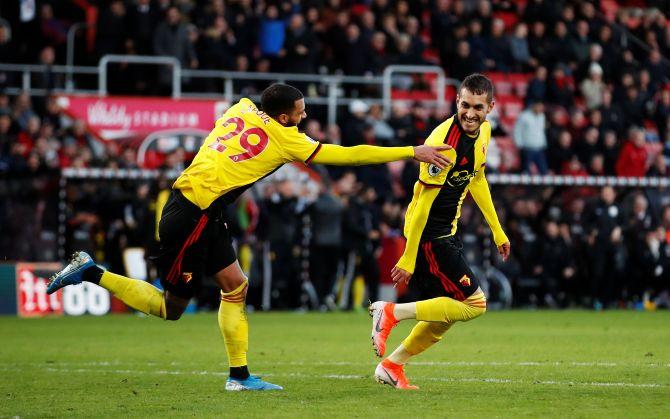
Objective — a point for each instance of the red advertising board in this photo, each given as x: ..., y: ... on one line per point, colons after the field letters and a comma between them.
x: 123, y: 117
x: 31, y: 286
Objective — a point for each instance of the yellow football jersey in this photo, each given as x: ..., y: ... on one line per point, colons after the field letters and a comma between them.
x: 245, y: 145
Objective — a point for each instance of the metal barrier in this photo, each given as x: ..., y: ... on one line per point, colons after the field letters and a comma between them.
x: 69, y: 61
x: 335, y: 85
x: 27, y: 71
x: 391, y: 70
x: 551, y: 180
x: 140, y: 59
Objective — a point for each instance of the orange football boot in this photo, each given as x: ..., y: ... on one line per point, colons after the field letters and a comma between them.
x: 393, y: 374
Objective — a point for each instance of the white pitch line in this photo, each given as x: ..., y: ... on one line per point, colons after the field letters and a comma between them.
x: 352, y: 363
x: 352, y: 377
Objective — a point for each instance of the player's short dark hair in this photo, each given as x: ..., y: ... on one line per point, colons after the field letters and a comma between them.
x: 478, y: 84
x: 279, y: 98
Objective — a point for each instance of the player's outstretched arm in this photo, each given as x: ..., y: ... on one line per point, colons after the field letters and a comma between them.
x: 367, y: 154
x: 479, y: 189
x: 415, y: 220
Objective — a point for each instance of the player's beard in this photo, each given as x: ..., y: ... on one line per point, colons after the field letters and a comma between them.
x: 290, y: 124
x: 470, y: 127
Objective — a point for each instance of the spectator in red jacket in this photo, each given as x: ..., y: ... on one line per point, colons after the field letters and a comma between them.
x: 633, y: 156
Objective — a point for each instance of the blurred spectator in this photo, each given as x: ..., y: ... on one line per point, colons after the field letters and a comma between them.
x: 326, y: 214
x: 592, y: 88
x: 22, y: 110
x: 537, y: 86
x: 52, y: 29
x: 538, y: 43
x: 561, y: 47
x: 560, y: 88
x: 612, y: 116
x: 589, y: 145
x: 659, y: 167
x: 361, y: 239
x: 498, y: 47
x: 519, y: 48
x: 171, y: 38
x: 357, y: 55
x: 530, y: 138
x: 465, y: 63
x: 559, y: 153
x: 633, y: 156
x: 46, y: 79
x: 633, y: 106
x: 595, y: 57
x: 142, y: 20
x: 272, y: 33
x: 401, y: 122
x: 658, y: 69
x: 281, y: 226
x: 217, y: 47
x: 111, y: 29
x: 300, y: 47
x: 605, y: 242
x: 580, y: 42
x: 384, y: 134
x: 356, y: 124
x: 610, y: 152
x: 662, y: 115
x: 555, y: 266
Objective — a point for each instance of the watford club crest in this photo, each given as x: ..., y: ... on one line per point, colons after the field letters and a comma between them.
x: 187, y: 276
x: 465, y: 281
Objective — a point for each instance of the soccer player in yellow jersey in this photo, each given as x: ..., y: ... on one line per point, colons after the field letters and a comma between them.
x: 245, y: 145
x: 448, y: 289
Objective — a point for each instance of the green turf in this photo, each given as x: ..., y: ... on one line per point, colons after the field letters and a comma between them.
x: 518, y: 363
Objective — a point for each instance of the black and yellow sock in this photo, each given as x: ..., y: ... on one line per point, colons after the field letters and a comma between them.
x: 93, y: 274
x: 235, y: 330
x: 137, y: 294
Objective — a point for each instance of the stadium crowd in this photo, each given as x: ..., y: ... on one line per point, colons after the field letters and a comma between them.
x: 595, y: 103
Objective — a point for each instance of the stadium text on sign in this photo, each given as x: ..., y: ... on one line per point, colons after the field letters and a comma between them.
x: 32, y: 300
x: 119, y: 117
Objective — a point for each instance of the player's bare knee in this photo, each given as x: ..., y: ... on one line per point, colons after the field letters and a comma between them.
x: 231, y: 278
x: 174, y: 307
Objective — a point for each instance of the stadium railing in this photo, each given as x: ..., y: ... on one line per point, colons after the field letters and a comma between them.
x: 72, y: 79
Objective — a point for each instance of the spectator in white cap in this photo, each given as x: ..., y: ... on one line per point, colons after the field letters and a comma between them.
x: 356, y: 124
x: 593, y: 87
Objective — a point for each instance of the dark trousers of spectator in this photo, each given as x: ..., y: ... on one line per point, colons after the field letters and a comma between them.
x: 359, y: 263
x: 535, y: 158
x: 368, y: 267
x: 605, y: 274
x: 323, y: 269
x: 286, y: 285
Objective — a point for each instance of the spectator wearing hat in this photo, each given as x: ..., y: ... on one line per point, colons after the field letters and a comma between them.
x: 355, y: 124
x: 592, y: 88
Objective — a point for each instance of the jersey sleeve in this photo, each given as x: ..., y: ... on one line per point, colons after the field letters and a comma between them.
x: 298, y: 146
x: 481, y: 193
x: 429, y: 174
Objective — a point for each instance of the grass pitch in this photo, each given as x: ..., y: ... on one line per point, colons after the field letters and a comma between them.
x: 509, y: 364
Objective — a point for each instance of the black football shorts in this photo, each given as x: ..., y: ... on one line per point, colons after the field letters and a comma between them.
x: 193, y: 243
